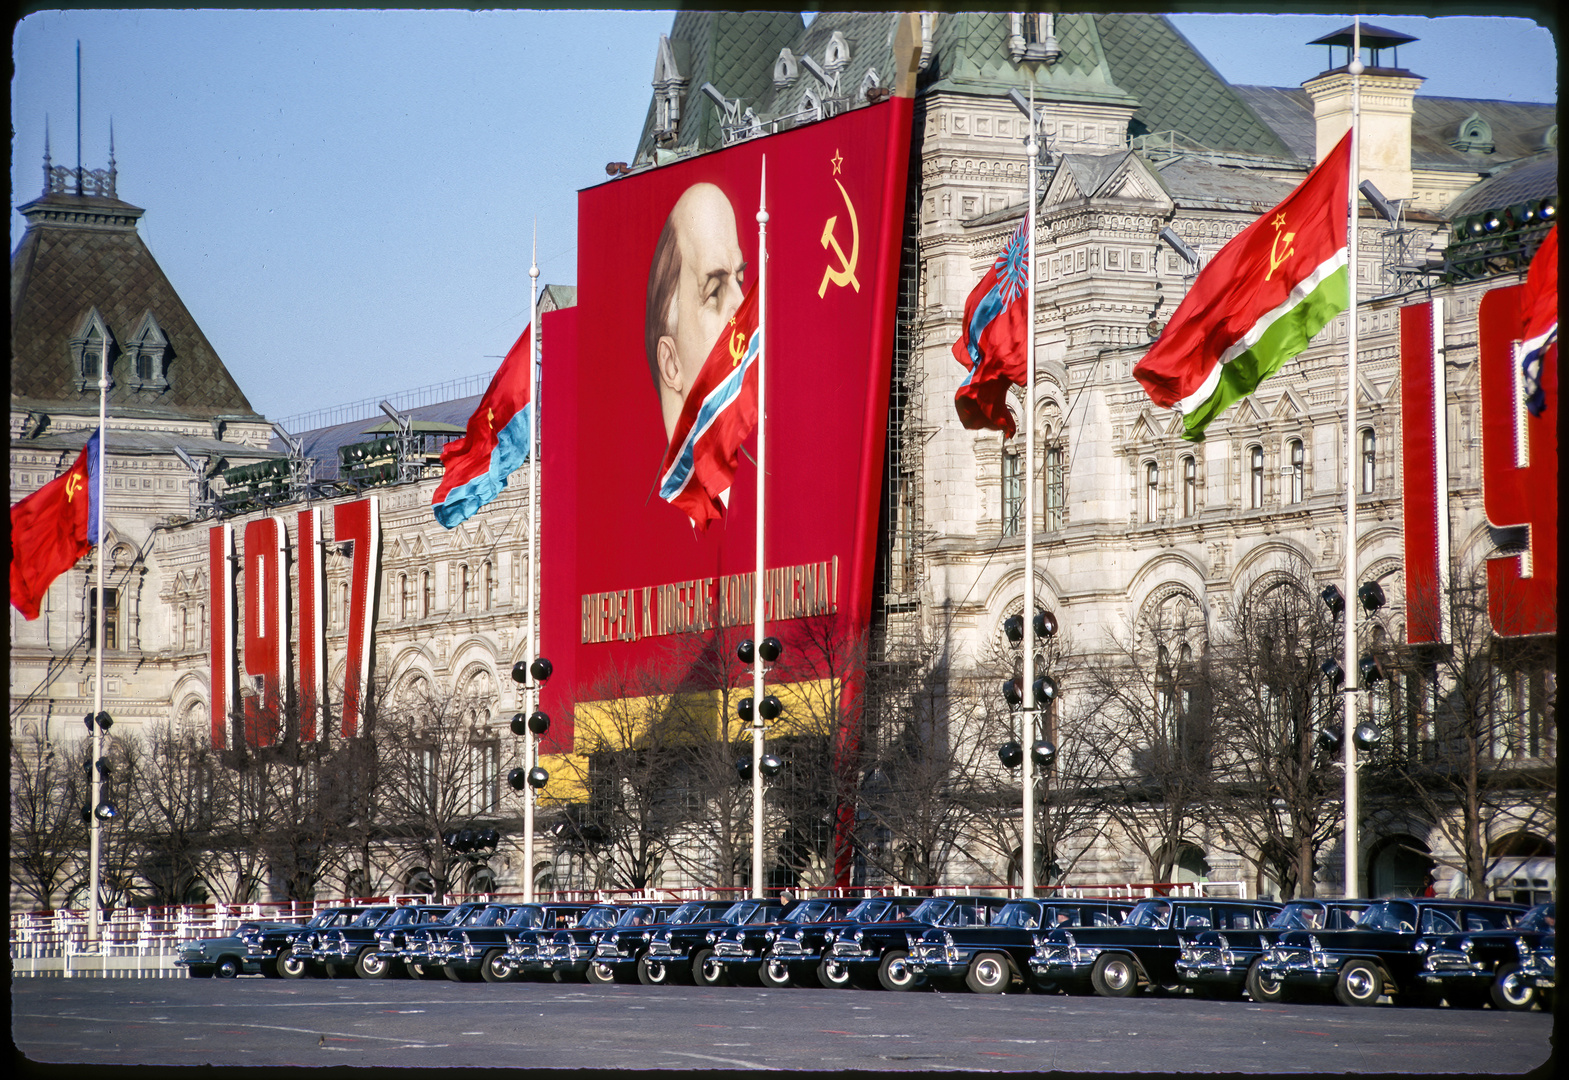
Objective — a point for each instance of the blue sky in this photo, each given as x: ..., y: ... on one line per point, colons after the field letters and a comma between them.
x: 344, y: 199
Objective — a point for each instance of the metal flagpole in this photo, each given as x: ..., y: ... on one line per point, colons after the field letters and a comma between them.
x: 1028, y: 713
x: 94, y: 862
x: 531, y: 645
x: 757, y: 591
x: 1350, y: 838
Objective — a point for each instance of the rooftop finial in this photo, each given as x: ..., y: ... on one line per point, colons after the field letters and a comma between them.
x: 47, y: 159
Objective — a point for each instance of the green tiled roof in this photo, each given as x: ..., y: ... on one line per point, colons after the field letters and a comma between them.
x: 970, y: 54
x: 1178, y: 90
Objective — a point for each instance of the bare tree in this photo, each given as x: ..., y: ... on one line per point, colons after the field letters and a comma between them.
x: 175, y: 830
x: 1279, y: 790
x: 48, y: 832
x: 1474, y: 742
x: 1145, y: 708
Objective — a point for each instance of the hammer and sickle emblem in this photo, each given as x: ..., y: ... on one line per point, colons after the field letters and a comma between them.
x: 845, y: 275
x: 1276, y: 256
x: 490, y: 418
x: 737, y: 345
x: 74, y: 484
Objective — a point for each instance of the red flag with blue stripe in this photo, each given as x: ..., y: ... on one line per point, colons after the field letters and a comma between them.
x: 475, y: 468
x: 995, y: 338
x: 717, y: 416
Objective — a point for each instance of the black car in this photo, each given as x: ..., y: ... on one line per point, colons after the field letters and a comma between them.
x: 1468, y: 969
x: 355, y: 949
x: 743, y: 950
x: 1538, y: 970
x: 569, y: 955
x: 684, y: 952
x: 415, y: 952
x: 392, y: 935
x: 1116, y: 961
x: 1223, y: 964
x: 272, y: 948
x: 476, y: 948
x: 224, y: 957
x: 877, y: 954
x: 804, y: 947
x: 991, y: 958
x: 1380, y: 955
x: 619, y: 954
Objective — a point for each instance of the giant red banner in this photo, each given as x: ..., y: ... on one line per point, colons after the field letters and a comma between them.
x: 664, y: 259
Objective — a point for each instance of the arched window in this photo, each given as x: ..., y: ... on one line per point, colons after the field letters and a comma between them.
x: 1054, y: 488
x: 1012, y: 490
x: 405, y: 598
x: 1190, y: 486
x: 1256, y: 477
x: 463, y: 588
x: 1294, y: 470
x: 490, y: 586
x: 427, y: 594
x: 1151, y: 491
x: 343, y: 608
x: 1369, y: 459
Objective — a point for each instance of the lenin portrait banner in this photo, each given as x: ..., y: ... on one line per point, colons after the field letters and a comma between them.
x: 665, y: 258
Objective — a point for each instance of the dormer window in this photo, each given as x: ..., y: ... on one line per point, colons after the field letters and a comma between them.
x: 1475, y: 136
x: 869, y: 82
x: 1032, y: 38
x: 785, y: 69
x: 88, y: 349
x: 148, y: 351
x: 837, y: 55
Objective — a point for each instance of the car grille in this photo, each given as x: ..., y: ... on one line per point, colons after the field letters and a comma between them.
x: 788, y: 947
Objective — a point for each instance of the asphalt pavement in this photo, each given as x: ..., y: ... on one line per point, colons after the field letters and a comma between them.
x: 270, y: 1022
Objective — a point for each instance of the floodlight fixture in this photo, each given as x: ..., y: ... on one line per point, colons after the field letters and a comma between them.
x: 1020, y: 102
x: 1176, y: 243
x: 1381, y: 206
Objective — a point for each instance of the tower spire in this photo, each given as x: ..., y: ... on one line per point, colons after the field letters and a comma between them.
x: 112, y: 173
x: 47, y: 160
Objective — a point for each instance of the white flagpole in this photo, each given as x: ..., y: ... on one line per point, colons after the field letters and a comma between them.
x: 531, y: 645
x: 94, y: 861
x: 1353, y: 886
x: 757, y: 591
x: 1028, y: 714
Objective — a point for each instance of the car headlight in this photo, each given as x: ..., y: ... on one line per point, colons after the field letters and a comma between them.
x: 710, y: 937
x: 828, y: 935
x: 947, y: 939
x: 771, y: 936
x: 857, y: 936
x: 1423, y: 947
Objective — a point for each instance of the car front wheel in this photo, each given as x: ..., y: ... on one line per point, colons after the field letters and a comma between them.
x: 1512, y: 992
x: 833, y: 976
x: 706, y: 968
x: 1114, y: 976
x: 601, y: 974
x: 894, y: 973
x: 227, y: 968
x: 653, y: 972
x: 1263, y: 987
x: 1360, y: 983
x: 291, y: 966
x: 369, y: 965
x: 774, y: 974
x: 989, y: 973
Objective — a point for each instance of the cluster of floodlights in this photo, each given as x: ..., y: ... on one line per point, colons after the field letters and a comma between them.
x: 1367, y: 735
x: 1042, y: 692
x: 105, y: 810
x: 769, y: 708
x: 465, y: 841
x: 536, y: 723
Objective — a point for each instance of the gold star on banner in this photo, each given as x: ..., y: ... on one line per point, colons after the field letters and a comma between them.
x: 837, y: 160
x: 1280, y: 219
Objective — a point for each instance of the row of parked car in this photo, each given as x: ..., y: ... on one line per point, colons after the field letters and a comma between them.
x: 1420, y: 951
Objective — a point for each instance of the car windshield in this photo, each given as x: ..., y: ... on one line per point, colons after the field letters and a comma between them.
x: 597, y: 918
x: 372, y: 917
x: 1298, y: 915
x: 321, y: 918
x: 488, y: 916
x: 739, y: 914
x: 528, y: 918
x: 690, y: 913
x: 455, y: 916
x: 808, y: 911
x: 1151, y: 914
x: 931, y: 911
x: 870, y: 911
x: 632, y: 916
x: 1024, y: 914
x: 1395, y: 916
x: 1539, y: 918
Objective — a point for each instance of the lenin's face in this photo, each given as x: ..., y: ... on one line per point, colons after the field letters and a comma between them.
x: 708, y: 292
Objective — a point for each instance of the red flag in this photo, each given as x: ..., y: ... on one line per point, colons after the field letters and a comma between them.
x: 717, y: 416
x: 51, y: 529
x: 1539, y: 319
x: 995, y: 340
x: 476, y: 467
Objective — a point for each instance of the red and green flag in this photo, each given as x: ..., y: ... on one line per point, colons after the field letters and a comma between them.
x: 1258, y: 303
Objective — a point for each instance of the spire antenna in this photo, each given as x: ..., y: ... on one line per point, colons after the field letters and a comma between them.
x: 48, y: 162
x: 78, y: 117
x: 111, y: 192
